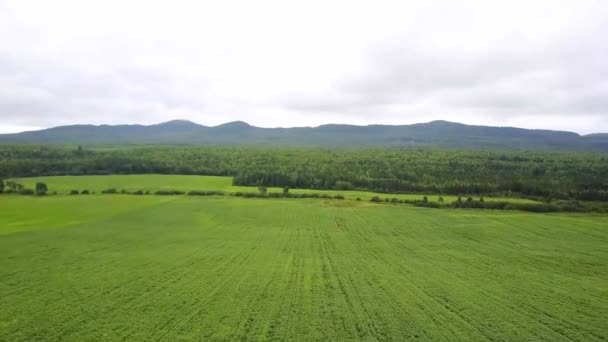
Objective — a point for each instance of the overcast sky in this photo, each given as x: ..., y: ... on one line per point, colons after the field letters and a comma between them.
x: 532, y: 64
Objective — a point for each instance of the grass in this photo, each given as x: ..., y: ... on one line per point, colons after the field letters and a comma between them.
x: 224, y: 268
x: 64, y: 184
x: 22, y: 213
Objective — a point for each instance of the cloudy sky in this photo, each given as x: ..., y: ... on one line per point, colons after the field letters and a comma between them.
x: 533, y: 64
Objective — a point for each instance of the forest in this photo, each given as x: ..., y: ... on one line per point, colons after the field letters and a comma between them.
x: 541, y: 175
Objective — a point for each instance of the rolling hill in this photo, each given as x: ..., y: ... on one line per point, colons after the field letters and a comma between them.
x: 435, y: 133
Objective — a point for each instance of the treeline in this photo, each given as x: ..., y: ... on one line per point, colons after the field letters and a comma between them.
x: 41, y: 189
x: 540, y: 175
x: 470, y: 203
x: 12, y: 187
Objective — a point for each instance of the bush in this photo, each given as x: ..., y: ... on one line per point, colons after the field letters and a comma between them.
x: 26, y: 192
x: 376, y: 199
x: 74, y: 192
x: 84, y: 192
x: 41, y: 189
x: 109, y: 191
x: 205, y: 193
x: 169, y: 192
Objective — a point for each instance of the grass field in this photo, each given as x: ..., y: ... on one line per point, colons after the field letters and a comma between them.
x: 141, y: 268
x: 64, y: 184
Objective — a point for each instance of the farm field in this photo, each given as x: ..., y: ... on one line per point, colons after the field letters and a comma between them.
x: 64, y: 184
x: 141, y: 268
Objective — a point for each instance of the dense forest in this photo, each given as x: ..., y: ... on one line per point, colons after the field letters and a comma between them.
x: 548, y: 175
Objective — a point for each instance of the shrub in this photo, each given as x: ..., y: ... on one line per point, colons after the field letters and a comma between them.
x: 41, y: 188
x: 205, y: 193
x: 169, y: 192
x: 376, y: 199
x: 26, y: 192
x: 84, y: 192
x: 13, y: 187
x: 74, y: 192
x: 426, y: 204
x: 109, y: 191
x: 253, y: 195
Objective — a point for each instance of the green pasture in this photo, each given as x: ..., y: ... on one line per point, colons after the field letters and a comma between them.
x: 148, y: 268
x: 64, y: 184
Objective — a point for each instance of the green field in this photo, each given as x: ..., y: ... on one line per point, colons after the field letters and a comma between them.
x: 142, y: 268
x: 64, y: 184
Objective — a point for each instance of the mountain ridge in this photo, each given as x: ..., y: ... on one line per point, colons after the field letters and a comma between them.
x: 438, y: 133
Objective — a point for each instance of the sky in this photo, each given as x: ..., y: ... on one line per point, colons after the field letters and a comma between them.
x: 530, y: 64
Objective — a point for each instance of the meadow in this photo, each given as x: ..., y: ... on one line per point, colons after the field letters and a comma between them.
x: 130, y: 183
x: 141, y: 268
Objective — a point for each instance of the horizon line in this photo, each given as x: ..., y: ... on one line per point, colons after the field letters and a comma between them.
x: 23, y: 129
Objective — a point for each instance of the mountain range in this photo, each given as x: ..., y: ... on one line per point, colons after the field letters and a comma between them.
x: 435, y: 133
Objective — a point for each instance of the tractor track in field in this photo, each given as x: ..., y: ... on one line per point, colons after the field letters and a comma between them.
x: 237, y: 269
x: 522, y: 308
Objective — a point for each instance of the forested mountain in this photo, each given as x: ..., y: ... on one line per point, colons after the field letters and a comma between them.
x: 435, y: 133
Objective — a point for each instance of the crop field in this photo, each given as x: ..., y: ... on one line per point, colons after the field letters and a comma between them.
x: 64, y: 184
x: 142, y: 268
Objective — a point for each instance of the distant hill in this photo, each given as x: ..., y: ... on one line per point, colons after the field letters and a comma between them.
x: 435, y: 133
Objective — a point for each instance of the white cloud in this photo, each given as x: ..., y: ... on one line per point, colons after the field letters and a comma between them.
x: 282, y: 63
